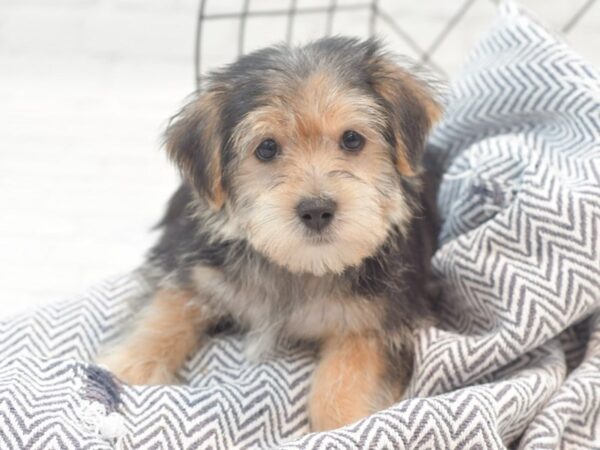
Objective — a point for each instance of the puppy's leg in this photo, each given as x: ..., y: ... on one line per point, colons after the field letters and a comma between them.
x: 164, y: 335
x: 352, y: 380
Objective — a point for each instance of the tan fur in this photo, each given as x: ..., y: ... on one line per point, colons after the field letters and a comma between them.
x: 348, y: 383
x: 402, y: 162
x: 209, y: 105
x: 206, y: 111
x: 293, y: 284
x: 392, y: 77
x: 159, y: 343
x: 308, y: 122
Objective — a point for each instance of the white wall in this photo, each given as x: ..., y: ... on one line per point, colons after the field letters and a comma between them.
x: 86, y: 87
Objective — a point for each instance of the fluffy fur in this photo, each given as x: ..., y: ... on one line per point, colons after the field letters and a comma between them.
x: 233, y: 247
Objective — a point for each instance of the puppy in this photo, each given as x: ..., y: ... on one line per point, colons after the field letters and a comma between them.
x: 302, y: 218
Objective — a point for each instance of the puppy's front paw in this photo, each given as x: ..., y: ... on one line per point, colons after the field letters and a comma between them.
x: 349, y: 383
x: 133, y: 369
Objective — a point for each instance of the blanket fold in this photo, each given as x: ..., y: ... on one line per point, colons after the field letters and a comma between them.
x: 515, y: 360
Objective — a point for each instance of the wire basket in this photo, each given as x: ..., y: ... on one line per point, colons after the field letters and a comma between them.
x: 227, y: 29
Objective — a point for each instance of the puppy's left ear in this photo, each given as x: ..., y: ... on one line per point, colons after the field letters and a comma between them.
x: 411, y: 108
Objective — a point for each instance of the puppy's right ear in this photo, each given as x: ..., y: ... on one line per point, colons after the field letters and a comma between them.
x: 194, y: 142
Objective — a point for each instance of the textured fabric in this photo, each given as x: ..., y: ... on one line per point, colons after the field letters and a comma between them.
x: 515, y: 361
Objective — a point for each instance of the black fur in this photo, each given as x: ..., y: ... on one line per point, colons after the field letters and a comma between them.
x: 246, y: 84
x: 395, y: 276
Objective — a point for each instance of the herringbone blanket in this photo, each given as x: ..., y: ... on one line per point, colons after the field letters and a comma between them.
x: 514, y: 362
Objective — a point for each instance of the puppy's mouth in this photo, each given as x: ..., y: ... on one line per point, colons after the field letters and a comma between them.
x: 319, y: 238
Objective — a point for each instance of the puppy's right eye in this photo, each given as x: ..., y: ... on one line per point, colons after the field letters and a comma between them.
x: 352, y: 141
x: 267, y: 150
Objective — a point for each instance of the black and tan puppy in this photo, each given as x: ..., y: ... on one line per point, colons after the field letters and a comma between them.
x: 301, y: 217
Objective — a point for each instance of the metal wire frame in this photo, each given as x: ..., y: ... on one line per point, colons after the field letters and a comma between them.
x: 331, y: 8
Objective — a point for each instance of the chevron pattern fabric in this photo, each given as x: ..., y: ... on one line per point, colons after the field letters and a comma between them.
x: 514, y: 362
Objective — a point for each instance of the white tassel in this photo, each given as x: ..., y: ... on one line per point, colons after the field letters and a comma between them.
x: 109, y: 426
x: 112, y: 426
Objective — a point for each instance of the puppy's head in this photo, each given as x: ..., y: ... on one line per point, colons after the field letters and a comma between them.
x: 305, y: 149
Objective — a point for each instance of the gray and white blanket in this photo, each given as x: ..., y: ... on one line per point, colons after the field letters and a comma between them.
x: 515, y: 361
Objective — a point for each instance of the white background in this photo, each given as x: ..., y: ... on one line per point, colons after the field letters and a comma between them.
x: 86, y: 89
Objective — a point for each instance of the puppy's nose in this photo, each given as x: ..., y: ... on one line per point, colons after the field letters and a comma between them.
x: 316, y: 213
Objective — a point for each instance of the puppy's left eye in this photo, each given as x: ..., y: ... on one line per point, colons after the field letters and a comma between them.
x: 352, y: 141
x: 267, y: 150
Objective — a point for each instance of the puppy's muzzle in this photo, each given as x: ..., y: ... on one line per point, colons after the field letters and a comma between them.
x: 316, y: 213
